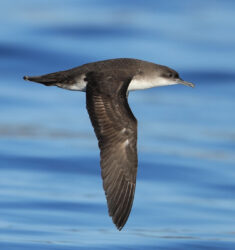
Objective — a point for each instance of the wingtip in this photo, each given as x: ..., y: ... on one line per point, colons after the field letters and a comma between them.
x: 119, y: 228
x: 118, y: 225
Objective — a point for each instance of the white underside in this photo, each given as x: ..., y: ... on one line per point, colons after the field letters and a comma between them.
x: 135, y: 84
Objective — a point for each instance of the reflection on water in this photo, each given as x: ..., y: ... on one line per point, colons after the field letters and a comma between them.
x: 51, y: 189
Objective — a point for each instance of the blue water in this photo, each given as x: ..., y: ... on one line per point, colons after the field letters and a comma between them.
x: 51, y: 194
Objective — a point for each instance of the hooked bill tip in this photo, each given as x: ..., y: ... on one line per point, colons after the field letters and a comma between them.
x: 189, y: 84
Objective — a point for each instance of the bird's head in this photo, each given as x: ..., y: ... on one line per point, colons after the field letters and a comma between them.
x: 168, y: 76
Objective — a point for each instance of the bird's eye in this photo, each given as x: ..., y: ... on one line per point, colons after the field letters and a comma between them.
x: 170, y: 75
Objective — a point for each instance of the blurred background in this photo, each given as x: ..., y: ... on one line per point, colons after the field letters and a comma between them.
x: 51, y: 194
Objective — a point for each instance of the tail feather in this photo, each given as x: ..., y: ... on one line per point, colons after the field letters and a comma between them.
x: 48, y: 79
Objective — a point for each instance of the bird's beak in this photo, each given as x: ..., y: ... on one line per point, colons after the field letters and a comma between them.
x: 185, y: 83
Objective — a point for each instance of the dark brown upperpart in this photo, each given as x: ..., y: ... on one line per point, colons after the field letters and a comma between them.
x: 130, y: 67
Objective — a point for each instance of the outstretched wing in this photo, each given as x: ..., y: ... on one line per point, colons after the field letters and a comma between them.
x: 116, y: 130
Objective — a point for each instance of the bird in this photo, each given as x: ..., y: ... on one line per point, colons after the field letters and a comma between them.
x: 107, y: 84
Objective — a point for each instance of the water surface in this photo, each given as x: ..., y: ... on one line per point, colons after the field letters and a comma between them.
x: 51, y: 194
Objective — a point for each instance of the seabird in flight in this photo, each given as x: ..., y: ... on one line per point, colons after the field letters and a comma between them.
x: 107, y: 84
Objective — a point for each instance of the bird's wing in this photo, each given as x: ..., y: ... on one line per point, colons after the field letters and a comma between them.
x: 116, y: 130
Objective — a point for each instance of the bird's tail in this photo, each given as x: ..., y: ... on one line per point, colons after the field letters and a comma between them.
x: 48, y: 79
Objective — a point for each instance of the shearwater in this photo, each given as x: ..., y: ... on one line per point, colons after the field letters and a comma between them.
x: 107, y: 84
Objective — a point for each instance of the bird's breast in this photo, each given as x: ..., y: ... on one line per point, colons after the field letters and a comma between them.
x: 140, y: 83
x: 149, y: 82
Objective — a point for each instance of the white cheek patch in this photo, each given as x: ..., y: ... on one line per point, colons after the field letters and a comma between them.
x: 143, y: 83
